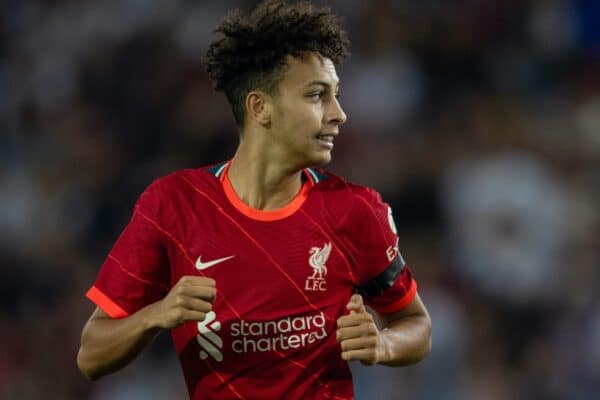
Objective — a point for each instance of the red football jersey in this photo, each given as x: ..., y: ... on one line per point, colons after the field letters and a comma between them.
x: 283, y: 278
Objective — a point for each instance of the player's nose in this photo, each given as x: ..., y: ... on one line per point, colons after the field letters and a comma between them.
x: 336, y: 114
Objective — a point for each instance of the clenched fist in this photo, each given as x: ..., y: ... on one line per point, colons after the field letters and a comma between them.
x: 358, y: 335
x: 189, y: 300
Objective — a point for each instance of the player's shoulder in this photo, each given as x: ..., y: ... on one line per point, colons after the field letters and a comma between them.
x: 330, y: 183
x: 184, y: 177
x: 182, y: 182
x: 351, y: 200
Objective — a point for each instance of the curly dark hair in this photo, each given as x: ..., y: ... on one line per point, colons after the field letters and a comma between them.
x: 252, y: 53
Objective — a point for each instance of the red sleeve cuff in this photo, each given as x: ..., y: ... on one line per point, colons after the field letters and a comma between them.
x: 398, y: 305
x: 105, y: 303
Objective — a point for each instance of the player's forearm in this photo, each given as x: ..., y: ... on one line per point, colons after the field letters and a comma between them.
x: 406, y: 340
x: 107, y: 345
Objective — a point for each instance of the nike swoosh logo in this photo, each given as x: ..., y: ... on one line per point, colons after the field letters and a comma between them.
x: 204, y: 265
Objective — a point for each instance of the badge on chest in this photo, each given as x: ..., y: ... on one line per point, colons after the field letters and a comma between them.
x: 317, y: 260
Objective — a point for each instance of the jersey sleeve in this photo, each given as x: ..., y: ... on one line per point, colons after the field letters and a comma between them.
x: 384, y: 280
x: 135, y: 272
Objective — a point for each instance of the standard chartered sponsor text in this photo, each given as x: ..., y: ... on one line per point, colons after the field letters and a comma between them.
x: 284, y: 334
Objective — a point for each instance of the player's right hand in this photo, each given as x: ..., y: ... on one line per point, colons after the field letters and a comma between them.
x: 189, y: 300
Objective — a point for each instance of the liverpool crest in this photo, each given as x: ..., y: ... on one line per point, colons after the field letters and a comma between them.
x: 318, y: 258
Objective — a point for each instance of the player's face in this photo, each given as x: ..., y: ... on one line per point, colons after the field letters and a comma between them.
x: 307, y: 114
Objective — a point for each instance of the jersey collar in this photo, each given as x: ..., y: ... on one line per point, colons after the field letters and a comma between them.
x: 220, y: 171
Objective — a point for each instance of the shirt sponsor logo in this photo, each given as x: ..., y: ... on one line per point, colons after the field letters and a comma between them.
x: 259, y: 337
x: 284, y: 334
x: 210, y: 342
x: 318, y: 258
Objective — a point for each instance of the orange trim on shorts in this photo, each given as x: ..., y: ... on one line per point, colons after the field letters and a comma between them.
x: 105, y: 303
x: 265, y: 215
x: 400, y: 304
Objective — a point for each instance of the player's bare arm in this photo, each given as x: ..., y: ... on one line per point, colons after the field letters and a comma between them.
x: 108, y: 344
x: 404, y: 337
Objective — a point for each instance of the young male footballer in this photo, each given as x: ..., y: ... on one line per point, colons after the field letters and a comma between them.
x: 261, y: 265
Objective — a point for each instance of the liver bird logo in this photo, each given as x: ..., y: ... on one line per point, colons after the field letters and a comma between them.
x: 317, y: 260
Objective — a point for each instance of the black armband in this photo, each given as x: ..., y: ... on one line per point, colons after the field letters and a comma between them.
x: 386, y: 279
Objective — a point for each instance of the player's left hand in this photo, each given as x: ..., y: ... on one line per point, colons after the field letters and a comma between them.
x: 358, y: 335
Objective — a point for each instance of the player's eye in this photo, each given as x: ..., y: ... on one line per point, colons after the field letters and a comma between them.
x: 317, y: 95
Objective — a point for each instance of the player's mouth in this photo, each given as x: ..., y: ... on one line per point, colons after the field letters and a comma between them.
x: 326, y: 139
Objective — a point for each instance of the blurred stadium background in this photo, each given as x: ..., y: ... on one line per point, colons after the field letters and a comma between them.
x: 478, y: 120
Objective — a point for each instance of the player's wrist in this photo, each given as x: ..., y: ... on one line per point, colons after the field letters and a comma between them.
x: 149, y: 318
x: 382, y: 350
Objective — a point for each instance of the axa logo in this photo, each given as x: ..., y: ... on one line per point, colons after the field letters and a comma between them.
x: 210, y: 342
x: 317, y: 260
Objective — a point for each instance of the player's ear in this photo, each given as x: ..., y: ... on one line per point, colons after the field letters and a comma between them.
x: 258, y: 107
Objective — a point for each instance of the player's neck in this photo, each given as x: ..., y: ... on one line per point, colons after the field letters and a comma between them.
x: 261, y: 181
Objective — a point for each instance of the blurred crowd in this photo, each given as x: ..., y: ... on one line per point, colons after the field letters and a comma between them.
x: 477, y: 120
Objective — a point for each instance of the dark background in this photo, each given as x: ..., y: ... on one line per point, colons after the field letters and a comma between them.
x: 478, y: 121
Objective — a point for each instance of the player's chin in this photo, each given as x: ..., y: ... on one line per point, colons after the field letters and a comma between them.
x: 319, y: 158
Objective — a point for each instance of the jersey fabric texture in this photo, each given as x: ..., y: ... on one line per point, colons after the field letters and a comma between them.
x: 283, y: 277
